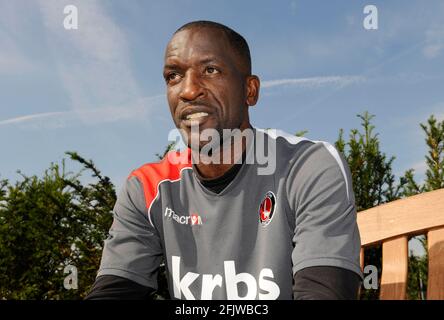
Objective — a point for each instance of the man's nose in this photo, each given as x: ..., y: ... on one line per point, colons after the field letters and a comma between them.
x: 191, y: 87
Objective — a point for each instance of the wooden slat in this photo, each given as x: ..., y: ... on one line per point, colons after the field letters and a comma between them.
x: 435, y: 243
x: 394, y: 269
x: 361, y: 259
x: 402, y: 217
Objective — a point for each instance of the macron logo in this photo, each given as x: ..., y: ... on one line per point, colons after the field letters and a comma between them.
x: 193, y: 219
x: 268, y: 289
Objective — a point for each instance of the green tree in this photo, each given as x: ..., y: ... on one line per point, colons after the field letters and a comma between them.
x: 435, y: 159
x: 49, y: 223
x: 374, y: 184
x: 434, y: 138
x: 372, y: 177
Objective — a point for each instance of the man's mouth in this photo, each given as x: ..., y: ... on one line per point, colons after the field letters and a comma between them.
x: 197, y: 115
x: 196, y: 118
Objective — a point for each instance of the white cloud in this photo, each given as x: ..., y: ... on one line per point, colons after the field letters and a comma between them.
x: 93, y: 61
x: 314, y: 81
x: 294, y: 7
x: 12, y: 60
x: 32, y: 117
x: 434, y: 42
x: 138, y: 110
x: 350, y: 19
x: 420, y: 167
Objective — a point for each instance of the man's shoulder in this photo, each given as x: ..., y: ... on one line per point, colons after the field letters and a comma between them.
x: 303, y: 155
x: 150, y: 175
x: 169, y: 167
x: 308, y: 160
x: 294, y: 147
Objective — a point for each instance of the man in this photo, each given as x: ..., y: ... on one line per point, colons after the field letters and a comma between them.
x: 223, y: 230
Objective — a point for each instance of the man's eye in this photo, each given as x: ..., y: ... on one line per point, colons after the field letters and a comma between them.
x: 211, y: 70
x: 171, y: 77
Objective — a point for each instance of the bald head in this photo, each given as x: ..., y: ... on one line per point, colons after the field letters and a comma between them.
x: 237, y: 43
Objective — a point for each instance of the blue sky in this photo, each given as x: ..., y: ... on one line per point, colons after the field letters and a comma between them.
x: 99, y: 90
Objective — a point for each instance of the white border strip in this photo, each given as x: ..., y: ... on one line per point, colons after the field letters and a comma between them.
x: 275, y: 133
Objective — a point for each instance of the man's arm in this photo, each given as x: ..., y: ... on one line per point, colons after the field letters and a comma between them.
x: 326, y: 236
x: 133, y: 251
x: 111, y: 287
x: 326, y: 283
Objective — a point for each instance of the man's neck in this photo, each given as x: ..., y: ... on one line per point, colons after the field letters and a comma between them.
x: 216, y: 170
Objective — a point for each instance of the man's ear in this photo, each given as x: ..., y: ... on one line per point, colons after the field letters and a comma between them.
x: 253, y: 85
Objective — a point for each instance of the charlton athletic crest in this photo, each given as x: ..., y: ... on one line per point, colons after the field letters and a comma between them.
x: 266, y: 209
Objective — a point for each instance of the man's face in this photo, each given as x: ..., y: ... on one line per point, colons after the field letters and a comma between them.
x: 206, y: 82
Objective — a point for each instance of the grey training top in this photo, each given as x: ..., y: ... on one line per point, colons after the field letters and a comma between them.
x: 246, y: 242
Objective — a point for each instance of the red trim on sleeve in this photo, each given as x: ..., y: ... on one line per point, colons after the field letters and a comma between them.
x: 151, y: 175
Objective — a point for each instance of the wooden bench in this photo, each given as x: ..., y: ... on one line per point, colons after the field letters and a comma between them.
x: 392, y: 224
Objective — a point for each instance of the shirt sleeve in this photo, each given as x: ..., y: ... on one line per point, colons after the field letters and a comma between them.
x: 320, y: 193
x: 326, y: 283
x: 133, y: 248
x: 111, y: 287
